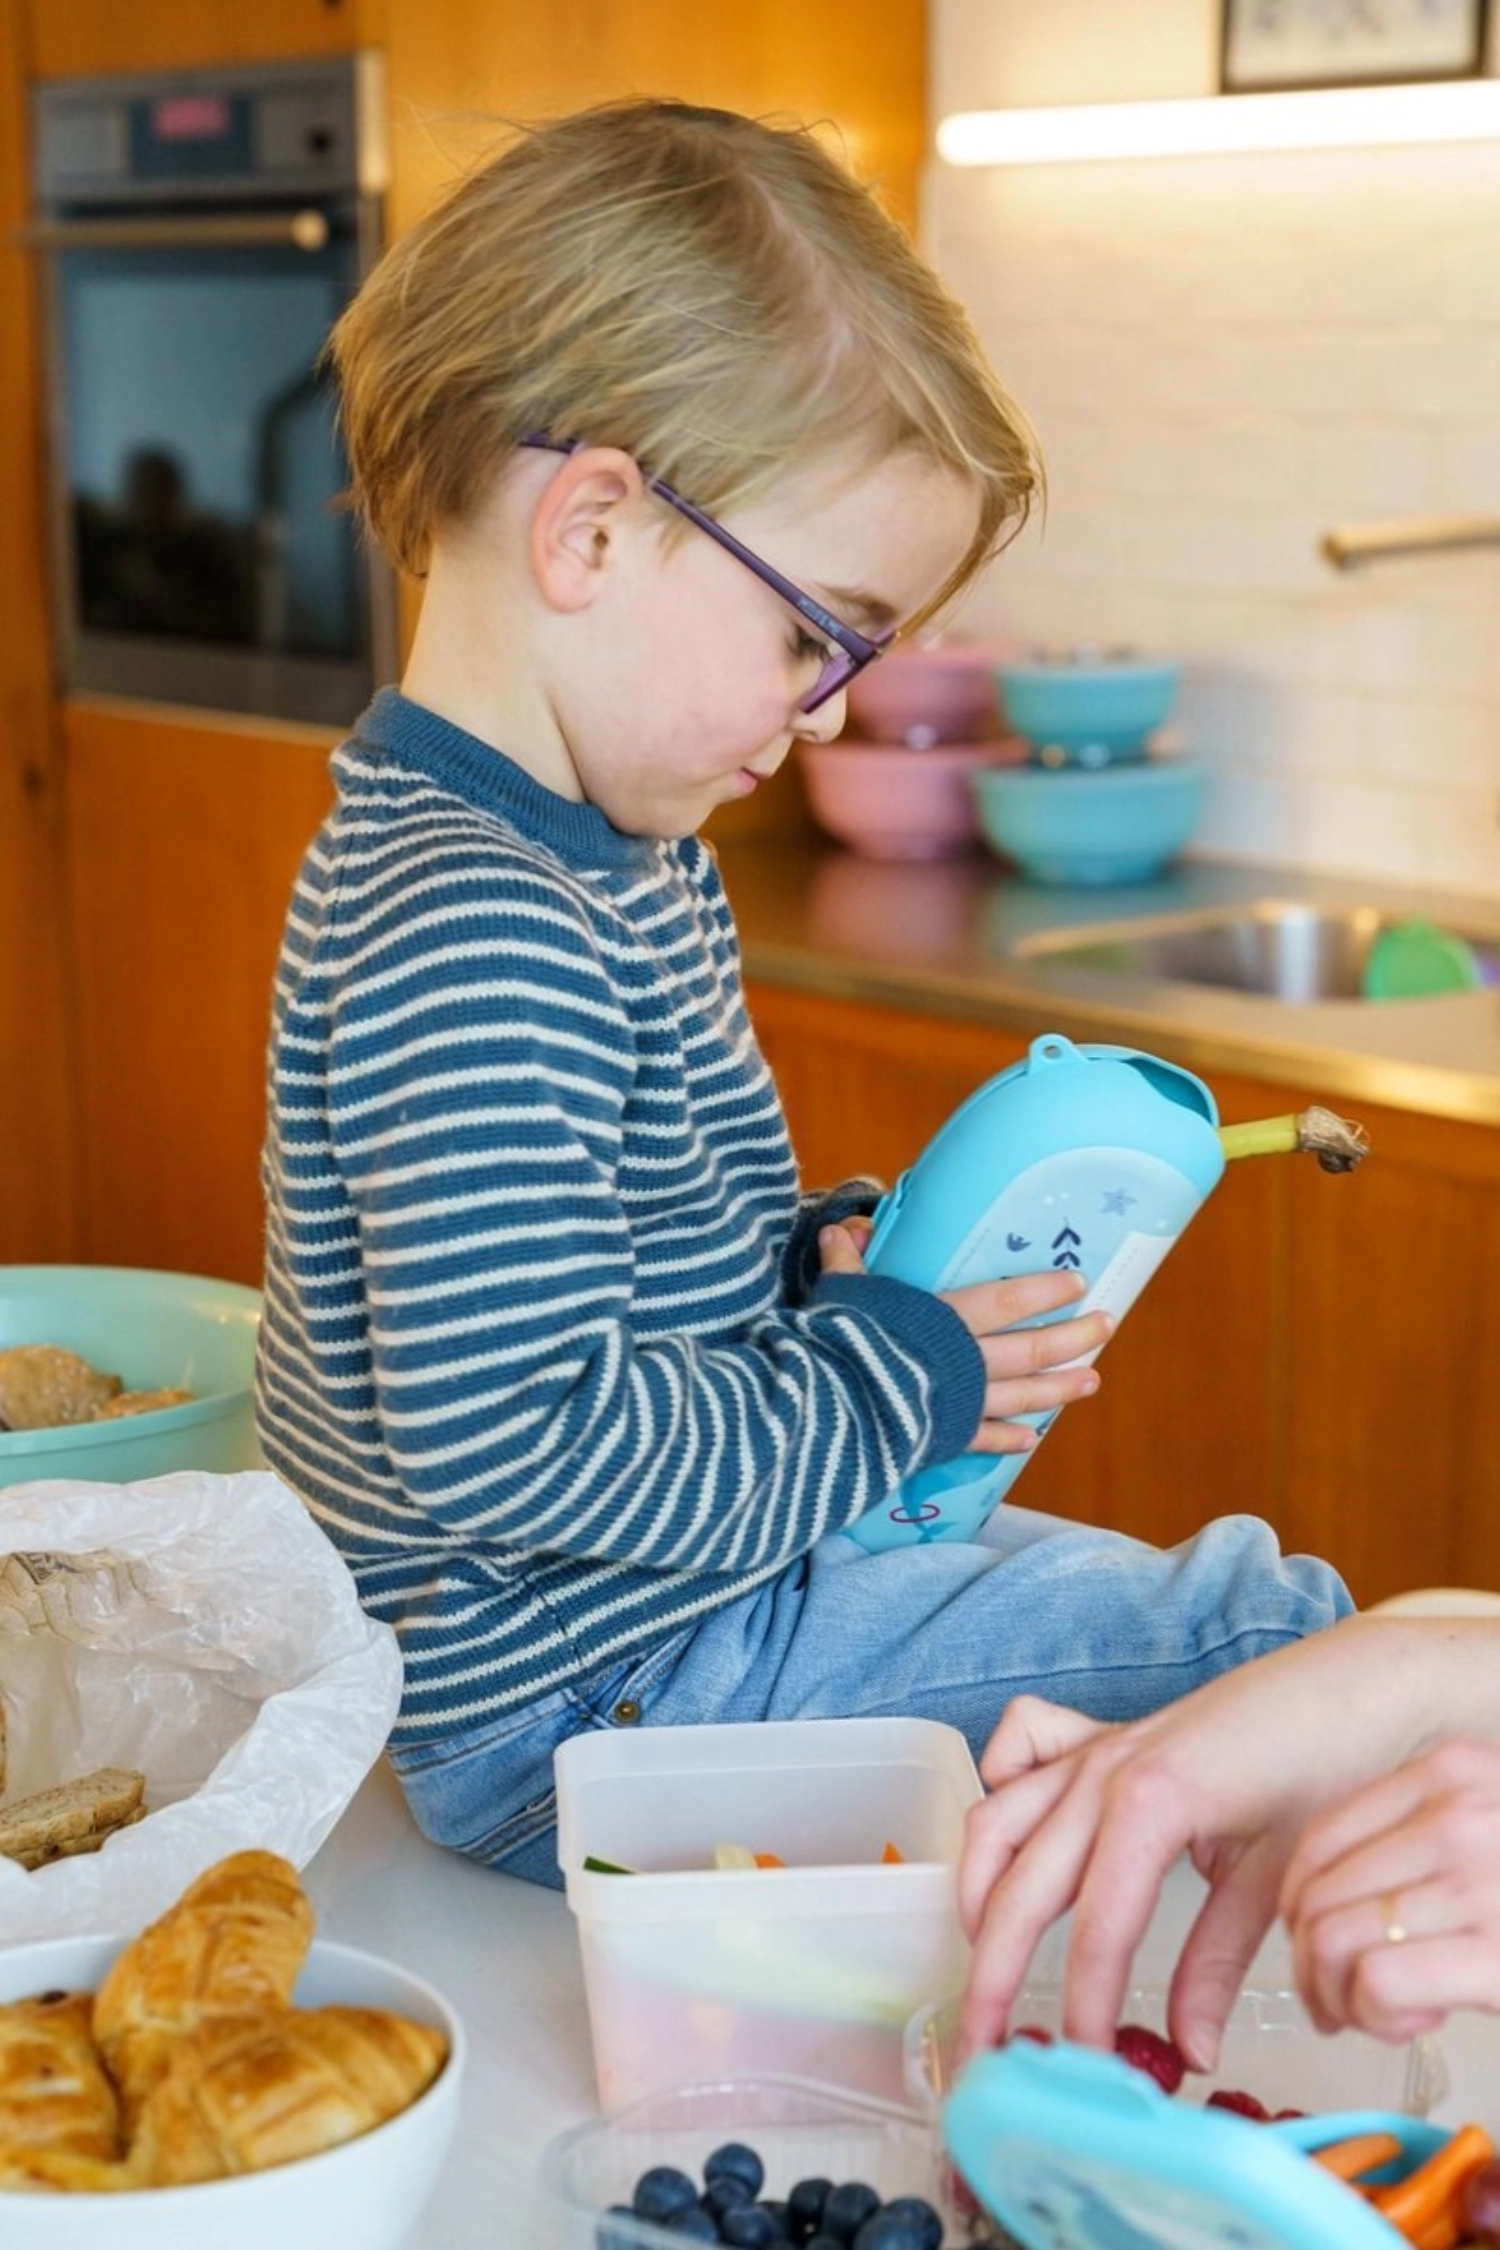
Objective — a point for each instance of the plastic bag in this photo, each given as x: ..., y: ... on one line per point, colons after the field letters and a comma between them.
x: 203, y: 1630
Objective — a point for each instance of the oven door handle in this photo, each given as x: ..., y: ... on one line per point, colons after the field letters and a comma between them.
x: 297, y: 230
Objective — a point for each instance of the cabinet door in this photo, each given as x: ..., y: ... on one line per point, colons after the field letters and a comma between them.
x: 185, y: 840
x: 460, y: 69
x: 36, y: 1168
x: 89, y: 36
x: 1182, y: 1428
x: 1392, y: 1333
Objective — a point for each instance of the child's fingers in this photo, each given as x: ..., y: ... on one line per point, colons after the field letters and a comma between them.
x: 1037, y: 1394
x: 838, y: 1251
x: 1019, y: 1352
x: 985, y: 1306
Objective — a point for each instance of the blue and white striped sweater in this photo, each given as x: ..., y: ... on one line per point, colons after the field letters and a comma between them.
x: 544, y: 1348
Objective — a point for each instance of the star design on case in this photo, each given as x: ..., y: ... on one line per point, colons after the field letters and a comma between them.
x: 1117, y: 1202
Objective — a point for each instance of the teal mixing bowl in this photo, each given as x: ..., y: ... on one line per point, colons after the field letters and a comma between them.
x: 155, y: 1331
x: 1088, y: 713
x: 1119, y: 824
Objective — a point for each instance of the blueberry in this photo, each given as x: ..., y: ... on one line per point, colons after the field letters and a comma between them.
x: 722, y: 2190
x: 822, y: 2242
x: 752, y: 2226
x: 607, y: 2237
x: 661, y: 2191
x: 847, y: 2208
x: 907, y: 2222
x: 694, y: 2224
x: 736, y: 2162
x: 804, y: 2207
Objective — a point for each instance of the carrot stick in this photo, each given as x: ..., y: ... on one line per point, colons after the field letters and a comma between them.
x: 1362, y: 2152
x: 1425, y: 2205
x: 890, y: 1857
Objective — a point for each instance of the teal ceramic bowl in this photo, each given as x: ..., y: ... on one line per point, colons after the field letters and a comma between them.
x: 1121, y: 824
x: 155, y: 1331
x: 1088, y: 713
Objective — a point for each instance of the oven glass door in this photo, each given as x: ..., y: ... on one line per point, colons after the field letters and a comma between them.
x: 205, y: 553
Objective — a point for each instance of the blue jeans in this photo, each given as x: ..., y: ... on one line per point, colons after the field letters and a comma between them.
x: 949, y: 1631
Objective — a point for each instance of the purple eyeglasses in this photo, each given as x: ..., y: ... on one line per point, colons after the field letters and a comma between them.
x: 850, y: 652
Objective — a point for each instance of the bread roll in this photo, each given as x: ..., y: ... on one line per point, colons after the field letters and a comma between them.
x: 233, y: 1945
x: 43, y: 1387
x: 249, y: 2092
x: 57, y: 2107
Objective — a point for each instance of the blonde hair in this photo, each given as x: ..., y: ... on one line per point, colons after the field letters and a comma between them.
x: 716, y: 296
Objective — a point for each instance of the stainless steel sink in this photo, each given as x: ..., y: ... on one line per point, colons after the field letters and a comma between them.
x: 1279, y: 948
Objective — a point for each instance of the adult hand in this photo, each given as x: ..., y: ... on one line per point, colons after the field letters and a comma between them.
x: 1392, y: 1898
x: 1027, y: 1370
x: 1091, y: 1817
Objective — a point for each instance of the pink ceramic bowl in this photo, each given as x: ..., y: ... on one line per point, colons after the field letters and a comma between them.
x: 893, y: 803
x: 920, y: 695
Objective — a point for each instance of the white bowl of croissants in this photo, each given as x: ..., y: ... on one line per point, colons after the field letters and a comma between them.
x: 222, y: 2081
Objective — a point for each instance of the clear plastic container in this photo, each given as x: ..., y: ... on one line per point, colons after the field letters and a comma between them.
x: 1270, y: 2049
x: 811, y: 1969
x: 799, y: 2129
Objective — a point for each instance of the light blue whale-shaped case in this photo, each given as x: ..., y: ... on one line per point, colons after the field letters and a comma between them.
x: 1087, y: 1159
x: 1074, y: 2150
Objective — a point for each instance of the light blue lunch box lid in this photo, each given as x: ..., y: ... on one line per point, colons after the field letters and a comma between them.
x: 1071, y: 2149
x: 1061, y: 1096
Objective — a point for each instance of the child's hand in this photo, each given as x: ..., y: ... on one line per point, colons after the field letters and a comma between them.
x: 1030, y: 1370
x: 1025, y: 1367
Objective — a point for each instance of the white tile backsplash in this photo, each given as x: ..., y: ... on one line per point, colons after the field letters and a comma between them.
x: 1223, y: 357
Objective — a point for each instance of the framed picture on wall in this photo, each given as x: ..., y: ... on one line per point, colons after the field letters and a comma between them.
x: 1285, y: 43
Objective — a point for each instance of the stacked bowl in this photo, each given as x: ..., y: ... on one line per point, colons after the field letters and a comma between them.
x: 1091, y: 803
x: 924, y: 721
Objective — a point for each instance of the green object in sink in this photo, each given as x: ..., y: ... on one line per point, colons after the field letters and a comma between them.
x: 1414, y: 960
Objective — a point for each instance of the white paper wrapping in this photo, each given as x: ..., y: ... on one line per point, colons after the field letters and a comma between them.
x: 204, y: 1630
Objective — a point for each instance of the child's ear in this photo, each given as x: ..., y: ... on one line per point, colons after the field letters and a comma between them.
x: 576, y: 523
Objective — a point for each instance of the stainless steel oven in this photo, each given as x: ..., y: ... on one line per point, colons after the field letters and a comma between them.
x: 199, y: 234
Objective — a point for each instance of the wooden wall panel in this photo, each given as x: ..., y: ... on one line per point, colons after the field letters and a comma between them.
x: 81, y: 37
x: 186, y: 834
x: 36, y: 1183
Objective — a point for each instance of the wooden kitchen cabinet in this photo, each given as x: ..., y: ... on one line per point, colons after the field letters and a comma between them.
x: 37, y: 1212
x: 1317, y: 1351
x: 95, y: 37
x: 185, y: 836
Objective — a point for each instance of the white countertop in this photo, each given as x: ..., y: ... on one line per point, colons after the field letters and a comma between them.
x: 506, y: 1954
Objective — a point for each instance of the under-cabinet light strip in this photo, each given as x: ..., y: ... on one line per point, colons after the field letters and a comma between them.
x: 1466, y: 109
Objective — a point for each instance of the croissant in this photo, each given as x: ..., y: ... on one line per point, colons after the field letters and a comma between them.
x: 233, y: 1945
x: 253, y: 2091
x: 56, y: 2102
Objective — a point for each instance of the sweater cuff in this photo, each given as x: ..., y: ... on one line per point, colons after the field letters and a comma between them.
x: 931, y: 1332
x: 799, y: 1260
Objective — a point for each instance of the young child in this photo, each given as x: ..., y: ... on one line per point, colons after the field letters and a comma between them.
x: 680, y: 432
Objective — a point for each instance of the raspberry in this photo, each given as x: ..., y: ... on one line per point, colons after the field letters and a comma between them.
x: 1243, y: 2105
x: 1147, y: 2050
